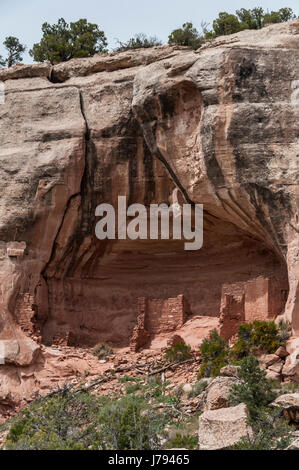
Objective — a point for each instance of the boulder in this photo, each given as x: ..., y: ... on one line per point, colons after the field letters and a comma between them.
x: 26, y: 71
x: 290, y: 370
x: 230, y: 371
x: 277, y: 366
x: 217, y: 393
x: 187, y: 388
x: 21, y: 352
x: 281, y: 352
x: 292, y: 346
x: 271, y: 375
x: 221, y: 429
x: 294, y: 444
x: 175, y: 339
x: 267, y: 360
x: 289, y: 403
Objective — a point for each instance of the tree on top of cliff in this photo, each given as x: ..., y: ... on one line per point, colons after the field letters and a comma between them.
x: 14, y: 52
x: 280, y: 16
x: 138, y: 42
x: 187, y: 35
x: 255, y: 18
x: 286, y: 14
x: 63, y: 41
x: 227, y: 24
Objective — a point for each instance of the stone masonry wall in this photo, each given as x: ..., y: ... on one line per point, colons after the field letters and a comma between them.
x: 258, y: 299
x: 157, y: 316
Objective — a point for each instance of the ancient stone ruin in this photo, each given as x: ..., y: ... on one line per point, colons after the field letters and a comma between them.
x: 158, y: 316
x: 258, y: 299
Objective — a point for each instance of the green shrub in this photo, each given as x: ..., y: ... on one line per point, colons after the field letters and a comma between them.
x: 227, y: 24
x: 270, y: 429
x: 61, y: 422
x: 102, y: 350
x: 132, y: 388
x: 254, y: 390
x: 270, y: 432
x: 178, y: 352
x: 265, y: 336
x: 259, y: 336
x: 255, y: 18
x: 284, y: 331
x: 137, y: 42
x: 62, y: 41
x: 183, y: 442
x: 128, y: 378
x: 131, y: 423
x: 198, y: 388
x: 186, y: 36
x: 14, y: 49
x: 84, y: 422
x: 214, y: 353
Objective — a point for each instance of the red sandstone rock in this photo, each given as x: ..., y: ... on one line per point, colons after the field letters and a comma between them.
x: 290, y: 370
x: 272, y: 375
x: 289, y: 402
x: 277, y: 367
x: 174, y: 340
x: 221, y: 429
x: 267, y: 360
x: 218, y: 391
x: 230, y: 371
x: 144, y: 125
x: 140, y: 336
x: 281, y: 352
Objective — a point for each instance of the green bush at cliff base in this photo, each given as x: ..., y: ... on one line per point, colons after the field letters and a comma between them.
x: 102, y: 350
x: 269, y: 428
x: 179, y: 352
x: 183, y: 442
x: 214, y: 351
x: 259, y: 336
x: 61, y: 422
x: 254, y: 389
x: 81, y: 421
x: 270, y: 432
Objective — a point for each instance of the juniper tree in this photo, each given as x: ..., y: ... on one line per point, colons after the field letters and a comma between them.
x: 15, y: 50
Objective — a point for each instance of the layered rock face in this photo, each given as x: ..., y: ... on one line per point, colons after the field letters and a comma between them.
x: 217, y: 126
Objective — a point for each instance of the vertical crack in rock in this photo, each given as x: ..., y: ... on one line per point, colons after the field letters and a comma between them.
x: 47, y: 272
x: 153, y: 148
x: 73, y: 196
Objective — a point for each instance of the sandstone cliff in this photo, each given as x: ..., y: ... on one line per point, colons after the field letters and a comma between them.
x: 219, y: 124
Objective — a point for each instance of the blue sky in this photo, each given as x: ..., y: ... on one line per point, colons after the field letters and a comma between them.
x: 119, y: 19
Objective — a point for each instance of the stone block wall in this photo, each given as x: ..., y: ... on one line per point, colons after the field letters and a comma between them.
x: 24, y: 313
x: 258, y: 299
x: 157, y: 316
x: 165, y: 315
x: 264, y: 298
x: 232, y: 310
